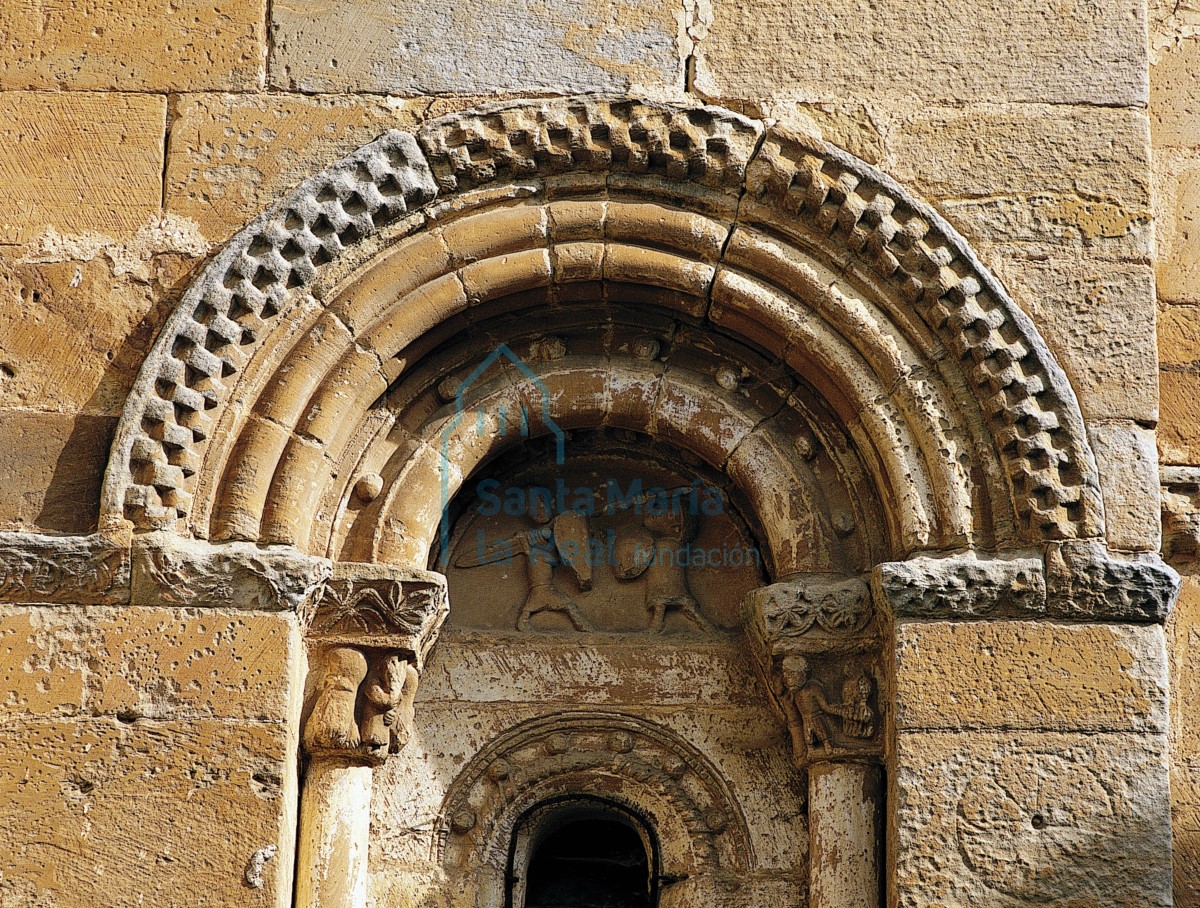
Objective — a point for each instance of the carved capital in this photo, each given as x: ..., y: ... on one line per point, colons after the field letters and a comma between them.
x: 170, y: 570
x: 1181, y: 515
x: 380, y: 606
x: 368, y: 635
x: 814, y: 615
x: 817, y: 642
x: 72, y: 570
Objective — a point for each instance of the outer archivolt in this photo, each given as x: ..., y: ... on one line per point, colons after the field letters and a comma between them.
x: 786, y: 207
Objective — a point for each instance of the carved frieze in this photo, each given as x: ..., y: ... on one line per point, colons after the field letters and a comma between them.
x: 74, y: 570
x: 962, y: 587
x: 170, y: 570
x: 1086, y: 583
x: 1075, y: 581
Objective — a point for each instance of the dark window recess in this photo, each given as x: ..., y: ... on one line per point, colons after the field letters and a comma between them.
x: 590, y: 863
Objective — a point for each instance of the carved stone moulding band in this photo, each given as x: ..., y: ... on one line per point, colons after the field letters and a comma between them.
x: 606, y: 753
x: 170, y: 570
x: 69, y: 570
x: 1072, y: 581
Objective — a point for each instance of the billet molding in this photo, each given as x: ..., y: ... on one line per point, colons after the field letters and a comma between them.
x: 710, y: 158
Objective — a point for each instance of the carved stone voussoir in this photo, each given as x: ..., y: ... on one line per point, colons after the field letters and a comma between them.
x: 381, y: 606
x: 816, y: 614
x: 70, y: 570
x: 1084, y: 582
x: 961, y: 587
x: 169, y: 570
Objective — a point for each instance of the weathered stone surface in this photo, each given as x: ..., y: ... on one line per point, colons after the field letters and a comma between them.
x: 175, y: 663
x: 1030, y: 675
x: 111, y: 184
x: 924, y: 51
x: 73, y: 333
x: 53, y: 465
x: 1008, y: 819
x: 817, y: 613
x: 43, y: 662
x: 1128, y: 464
x: 169, y: 570
x: 1179, y: 427
x: 98, y: 812
x: 1098, y: 318
x: 960, y: 587
x: 1096, y: 154
x: 1083, y: 582
x: 1178, y: 269
x: 151, y: 45
x: 1175, y: 97
x: 71, y: 570
x: 426, y: 47
x: 231, y: 156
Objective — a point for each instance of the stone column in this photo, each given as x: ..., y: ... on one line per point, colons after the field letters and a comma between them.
x: 367, y: 640
x: 844, y: 826
x: 817, y: 643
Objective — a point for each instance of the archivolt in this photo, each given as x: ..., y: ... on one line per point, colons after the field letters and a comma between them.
x: 268, y: 369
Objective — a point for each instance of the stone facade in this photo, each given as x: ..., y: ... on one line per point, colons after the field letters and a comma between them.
x: 897, y: 302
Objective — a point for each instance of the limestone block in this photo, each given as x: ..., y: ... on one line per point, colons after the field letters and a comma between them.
x: 930, y: 50
x: 231, y: 156
x: 103, y: 812
x: 43, y: 662
x: 79, y: 162
x: 1183, y: 638
x: 1016, y: 818
x: 1030, y: 675
x: 1175, y: 96
x: 52, y: 464
x: 429, y: 47
x: 151, y: 45
x: 1052, y: 224
x: 1179, y: 427
x: 170, y: 663
x: 1178, y: 270
x: 1093, y: 154
x: 72, y: 334
x: 1128, y: 462
x: 1098, y: 319
x: 460, y: 670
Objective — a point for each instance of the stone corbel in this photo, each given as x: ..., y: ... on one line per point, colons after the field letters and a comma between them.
x: 368, y: 636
